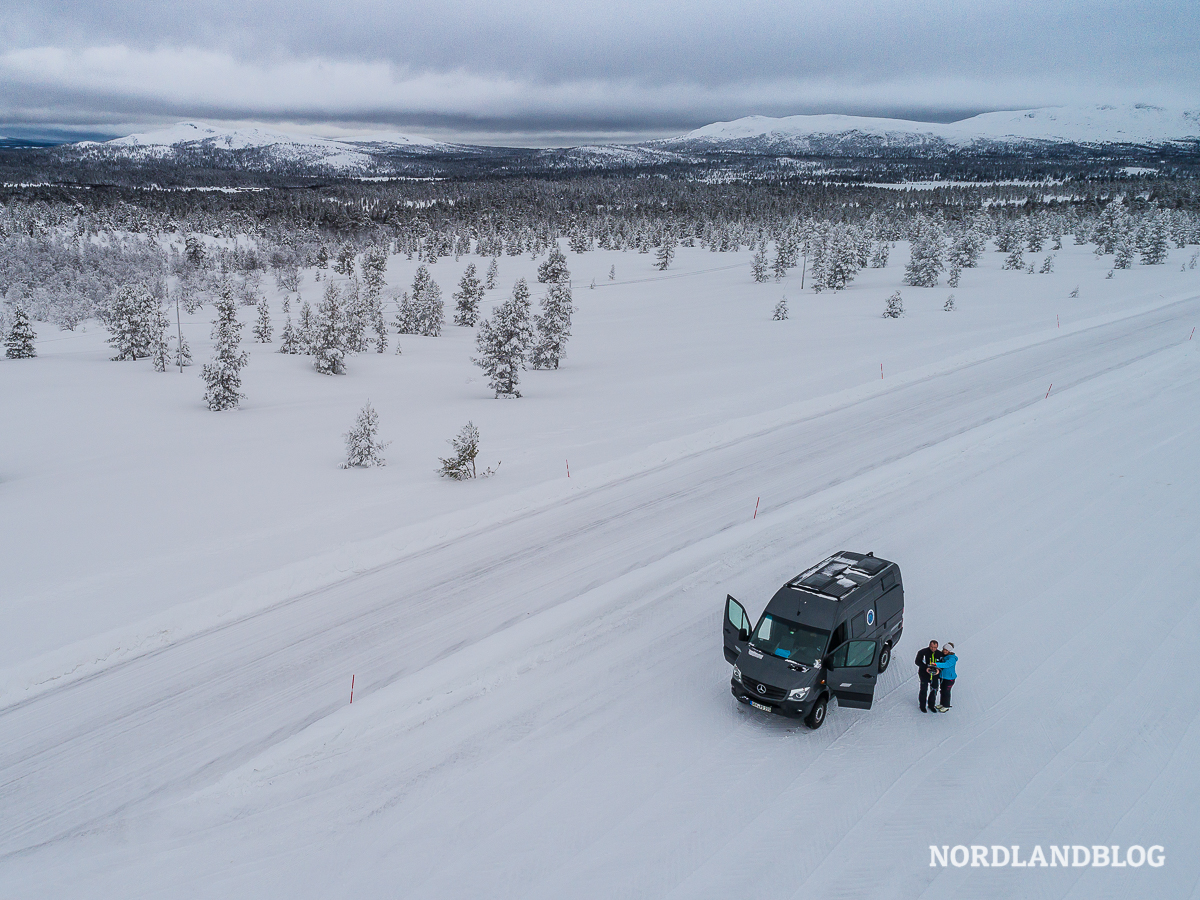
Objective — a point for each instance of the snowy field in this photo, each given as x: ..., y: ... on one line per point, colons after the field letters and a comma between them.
x: 541, y: 704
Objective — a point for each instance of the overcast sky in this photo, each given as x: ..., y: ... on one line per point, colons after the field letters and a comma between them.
x: 542, y: 72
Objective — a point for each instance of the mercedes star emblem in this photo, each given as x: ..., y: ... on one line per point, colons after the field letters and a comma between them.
x: 762, y: 688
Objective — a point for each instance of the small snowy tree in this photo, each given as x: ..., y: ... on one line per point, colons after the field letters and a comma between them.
x: 262, y: 327
x: 331, y: 336
x: 1123, y: 253
x: 553, y: 327
x: 503, y: 341
x: 925, y: 263
x: 612, y: 273
x: 374, y: 266
x: 160, y: 350
x: 288, y: 341
x: 781, y: 310
x: 759, y: 266
x: 306, y: 331
x: 1154, y: 251
x: 554, y: 269
x: 1015, y: 261
x: 363, y: 448
x: 950, y: 305
x: 223, y: 376
x: 467, y: 297
x: 895, y: 307
x: 130, y: 316
x: 665, y: 253
x: 492, y: 272
x: 423, y: 312
x: 1047, y: 265
x: 18, y: 343
x: 182, y: 355
x: 460, y: 465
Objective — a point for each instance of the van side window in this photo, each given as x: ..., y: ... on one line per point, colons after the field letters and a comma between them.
x: 858, y: 625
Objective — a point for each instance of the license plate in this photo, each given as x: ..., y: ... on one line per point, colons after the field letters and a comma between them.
x: 760, y: 706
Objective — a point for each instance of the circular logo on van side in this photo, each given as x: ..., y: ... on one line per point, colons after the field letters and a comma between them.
x: 762, y: 688
x: 870, y: 617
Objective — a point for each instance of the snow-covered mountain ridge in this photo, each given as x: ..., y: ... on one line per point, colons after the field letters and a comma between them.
x: 263, y: 149
x: 1092, y: 125
x: 346, y: 154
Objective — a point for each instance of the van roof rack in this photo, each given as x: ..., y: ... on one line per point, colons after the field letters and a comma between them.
x: 840, y: 574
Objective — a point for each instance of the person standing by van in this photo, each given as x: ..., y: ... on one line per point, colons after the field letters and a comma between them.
x: 945, y: 666
x: 926, y: 662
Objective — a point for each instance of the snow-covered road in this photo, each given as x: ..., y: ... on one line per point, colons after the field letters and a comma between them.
x: 542, y: 707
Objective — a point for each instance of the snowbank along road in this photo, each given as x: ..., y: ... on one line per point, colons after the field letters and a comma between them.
x: 542, y: 706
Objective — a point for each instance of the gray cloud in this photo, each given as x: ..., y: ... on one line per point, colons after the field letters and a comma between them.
x: 625, y: 69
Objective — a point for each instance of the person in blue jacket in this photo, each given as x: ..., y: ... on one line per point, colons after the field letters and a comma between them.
x: 945, y: 666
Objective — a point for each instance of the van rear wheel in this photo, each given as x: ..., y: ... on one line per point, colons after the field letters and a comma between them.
x: 885, y: 657
x: 816, y: 718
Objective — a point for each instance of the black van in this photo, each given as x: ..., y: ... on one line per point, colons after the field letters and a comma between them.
x: 826, y: 633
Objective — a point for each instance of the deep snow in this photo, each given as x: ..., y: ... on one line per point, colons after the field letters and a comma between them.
x: 542, y: 706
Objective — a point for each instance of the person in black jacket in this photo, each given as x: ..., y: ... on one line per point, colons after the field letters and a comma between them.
x: 928, y: 673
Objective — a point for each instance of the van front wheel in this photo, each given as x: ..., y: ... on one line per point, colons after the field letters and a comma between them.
x: 816, y: 718
x: 885, y: 657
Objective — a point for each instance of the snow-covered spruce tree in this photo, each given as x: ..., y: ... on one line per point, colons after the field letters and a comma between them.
x: 554, y: 269
x: 129, y: 316
x: 839, y: 263
x: 1015, y: 261
x: 423, y: 311
x: 262, y: 326
x: 330, y: 337
x: 879, y: 259
x: 493, y: 270
x: 954, y: 276
x: 950, y: 305
x: 460, y: 465
x: 223, y: 376
x: 160, y: 349
x: 1047, y: 265
x: 1123, y: 253
x: 553, y: 327
x: 612, y: 273
x: 925, y: 263
x: 895, y: 307
x: 18, y: 342
x: 665, y: 253
x: 781, y: 310
x: 181, y: 356
x: 363, y: 448
x: 304, y: 331
x: 467, y: 297
x: 1156, y: 245
x: 759, y: 266
x: 288, y: 342
x: 503, y: 341
x: 374, y: 267
x: 358, y: 317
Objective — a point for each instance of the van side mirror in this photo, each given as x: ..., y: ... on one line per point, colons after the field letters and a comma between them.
x: 743, y: 634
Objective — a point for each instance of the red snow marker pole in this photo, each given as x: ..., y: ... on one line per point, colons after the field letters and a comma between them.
x: 881, y: 371
x: 756, y: 502
x: 1193, y: 332
x: 1048, y: 390
x: 1057, y: 321
x: 351, y: 688
x: 568, y: 462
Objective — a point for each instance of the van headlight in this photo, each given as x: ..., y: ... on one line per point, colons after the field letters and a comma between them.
x: 737, y: 674
x: 798, y: 693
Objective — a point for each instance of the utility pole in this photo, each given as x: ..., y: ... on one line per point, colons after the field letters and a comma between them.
x: 178, y: 335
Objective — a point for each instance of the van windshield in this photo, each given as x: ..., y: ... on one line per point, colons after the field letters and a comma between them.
x: 790, y: 640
